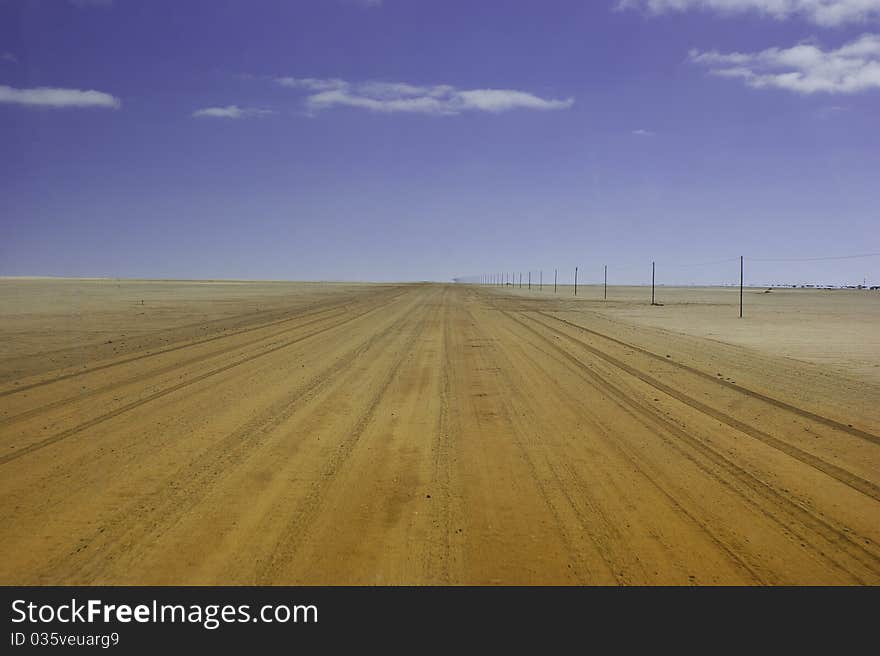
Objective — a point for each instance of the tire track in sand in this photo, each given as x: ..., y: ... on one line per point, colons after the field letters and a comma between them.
x: 807, y: 414
x: 303, y: 516
x: 602, y: 529
x: 838, y: 473
x: 206, y: 471
x: 316, y: 309
x: 797, y: 516
x: 36, y: 446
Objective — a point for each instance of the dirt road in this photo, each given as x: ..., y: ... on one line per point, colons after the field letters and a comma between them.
x: 437, y: 434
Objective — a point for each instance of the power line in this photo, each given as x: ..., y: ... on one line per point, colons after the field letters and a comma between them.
x: 812, y: 259
x: 505, y: 279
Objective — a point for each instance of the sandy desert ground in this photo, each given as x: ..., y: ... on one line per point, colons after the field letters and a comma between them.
x: 276, y: 433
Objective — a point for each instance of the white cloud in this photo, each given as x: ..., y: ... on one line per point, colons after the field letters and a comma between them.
x: 8, y: 57
x: 643, y: 133
x: 57, y: 98
x: 804, y: 68
x: 231, y: 111
x: 820, y: 12
x: 390, y: 97
x: 831, y: 111
x: 501, y: 100
x: 311, y: 83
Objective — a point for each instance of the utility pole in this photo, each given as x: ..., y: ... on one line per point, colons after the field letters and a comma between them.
x: 530, y: 280
x: 555, y: 276
x: 740, y: 286
x: 652, y: 283
x: 606, y: 282
x: 541, y: 284
x: 575, y: 281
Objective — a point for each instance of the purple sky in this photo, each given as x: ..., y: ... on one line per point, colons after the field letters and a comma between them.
x: 400, y: 140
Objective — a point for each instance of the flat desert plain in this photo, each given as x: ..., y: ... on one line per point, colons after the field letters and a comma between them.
x: 162, y: 432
